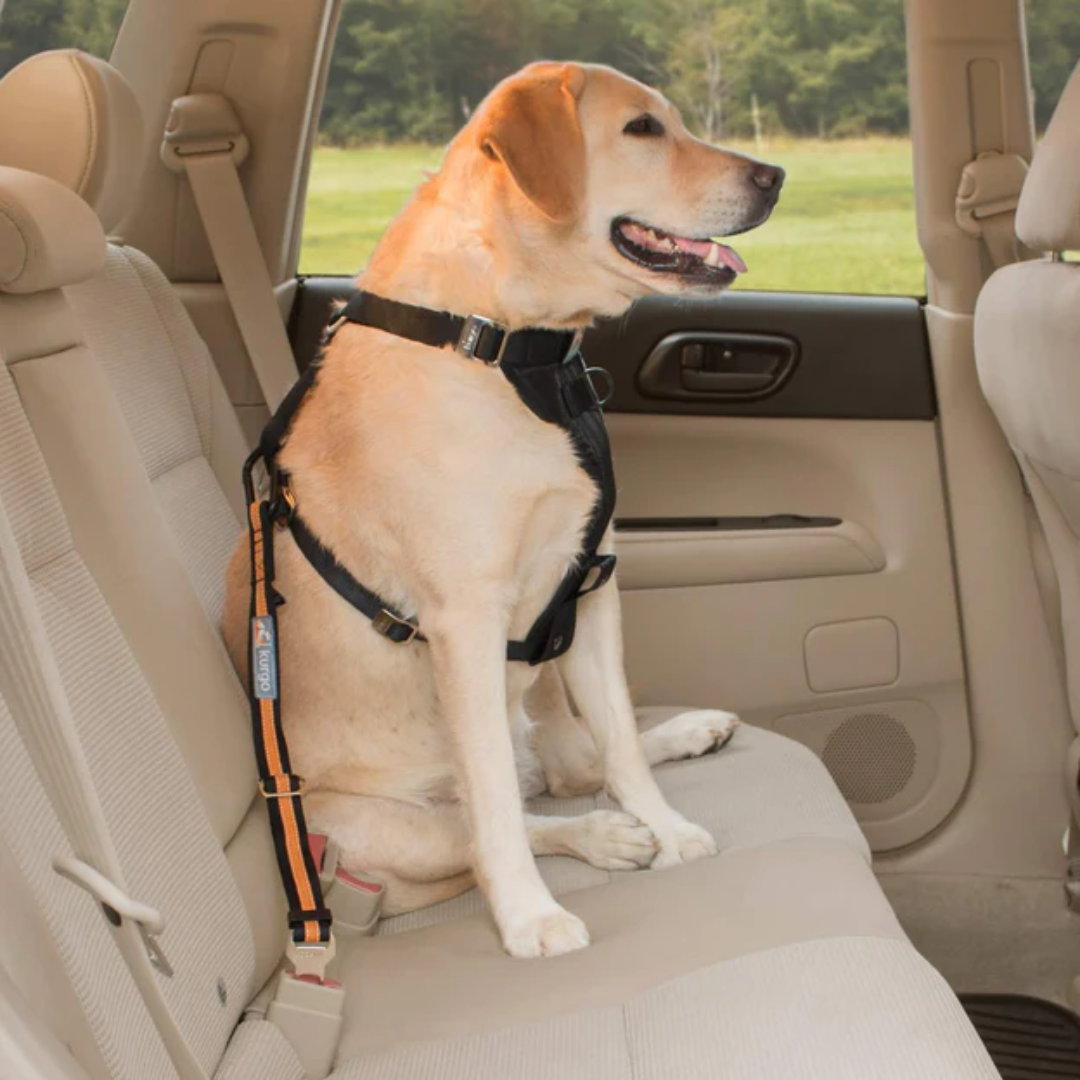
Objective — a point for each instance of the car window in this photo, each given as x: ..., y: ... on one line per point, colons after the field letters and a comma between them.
x: 33, y: 26
x: 819, y: 88
x: 1053, y: 33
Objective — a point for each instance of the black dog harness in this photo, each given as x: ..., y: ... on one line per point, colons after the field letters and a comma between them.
x: 548, y: 372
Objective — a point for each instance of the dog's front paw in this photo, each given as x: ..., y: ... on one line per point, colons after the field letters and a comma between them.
x: 691, y: 734
x: 551, y: 933
x: 611, y: 840
x: 685, y: 843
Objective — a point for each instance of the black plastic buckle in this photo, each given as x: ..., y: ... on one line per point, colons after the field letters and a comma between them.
x: 605, y: 567
x: 282, y: 499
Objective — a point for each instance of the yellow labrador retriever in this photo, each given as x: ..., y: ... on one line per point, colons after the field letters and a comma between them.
x: 572, y: 191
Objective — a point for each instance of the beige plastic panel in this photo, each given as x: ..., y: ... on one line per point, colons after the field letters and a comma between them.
x: 666, y: 560
x: 742, y: 645
x: 968, y: 75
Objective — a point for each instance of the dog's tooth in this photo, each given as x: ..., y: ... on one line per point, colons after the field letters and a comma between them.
x: 713, y: 258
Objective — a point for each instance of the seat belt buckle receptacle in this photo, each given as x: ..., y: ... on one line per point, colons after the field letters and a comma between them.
x: 307, y: 1007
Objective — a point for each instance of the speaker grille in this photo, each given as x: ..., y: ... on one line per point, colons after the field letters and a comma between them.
x: 871, y: 757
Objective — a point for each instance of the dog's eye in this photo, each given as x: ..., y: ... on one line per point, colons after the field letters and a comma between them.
x: 645, y: 125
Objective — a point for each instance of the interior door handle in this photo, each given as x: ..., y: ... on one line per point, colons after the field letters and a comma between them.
x: 719, y: 366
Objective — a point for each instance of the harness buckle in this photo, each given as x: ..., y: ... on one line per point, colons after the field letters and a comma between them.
x: 297, y: 784
x: 475, y: 334
x: 285, y: 493
x: 393, y: 627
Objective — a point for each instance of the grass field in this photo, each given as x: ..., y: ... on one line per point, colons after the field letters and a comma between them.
x: 845, y: 223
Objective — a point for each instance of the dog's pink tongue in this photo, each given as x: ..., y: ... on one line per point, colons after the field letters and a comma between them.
x: 713, y: 253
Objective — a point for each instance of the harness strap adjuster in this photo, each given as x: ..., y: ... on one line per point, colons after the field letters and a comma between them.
x: 482, y: 339
x: 298, y: 917
x: 394, y: 628
x: 295, y: 786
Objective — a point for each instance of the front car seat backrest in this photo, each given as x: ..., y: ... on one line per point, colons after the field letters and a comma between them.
x: 1027, y: 346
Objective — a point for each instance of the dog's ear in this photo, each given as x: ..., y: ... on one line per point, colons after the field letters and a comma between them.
x: 532, y: 127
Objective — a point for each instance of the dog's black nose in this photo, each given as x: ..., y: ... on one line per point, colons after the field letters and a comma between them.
x: 768, y: 177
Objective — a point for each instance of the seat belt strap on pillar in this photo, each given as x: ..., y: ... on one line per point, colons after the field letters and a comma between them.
x: 204, y: 138
x: 31, y: 686
x: 986, y: 204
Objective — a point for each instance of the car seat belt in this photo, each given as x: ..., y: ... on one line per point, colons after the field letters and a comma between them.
x: 30, y: 684
x: 205, y: 140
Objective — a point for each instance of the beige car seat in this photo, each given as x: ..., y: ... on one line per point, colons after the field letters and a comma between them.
x: 779, y: 957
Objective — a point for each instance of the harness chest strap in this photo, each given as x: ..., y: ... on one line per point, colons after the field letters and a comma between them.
x: 548, y: 373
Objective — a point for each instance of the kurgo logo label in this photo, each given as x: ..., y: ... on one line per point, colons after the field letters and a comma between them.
x: 263, y: 658
x: 472, y: 336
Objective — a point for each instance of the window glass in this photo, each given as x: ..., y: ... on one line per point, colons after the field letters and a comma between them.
x: 818, y: 86
x: 33, y: 26
x: 1053, y: 32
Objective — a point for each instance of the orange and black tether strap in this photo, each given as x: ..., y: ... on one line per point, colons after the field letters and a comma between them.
x: 309, y: 918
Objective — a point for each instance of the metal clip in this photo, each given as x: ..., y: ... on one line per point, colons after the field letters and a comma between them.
x: 311, y: 960
x: 301, y: 784
x: 389, y: 625
x: 471, y: 333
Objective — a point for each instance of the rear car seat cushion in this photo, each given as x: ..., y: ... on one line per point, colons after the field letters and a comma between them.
x: 847, y: 1008
x: 758, y: 790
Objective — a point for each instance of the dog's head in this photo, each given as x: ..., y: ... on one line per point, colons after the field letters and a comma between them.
x: 604, y: 167
x: 572, y: 191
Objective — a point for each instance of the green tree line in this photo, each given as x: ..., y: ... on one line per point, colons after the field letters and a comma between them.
x: 413, y: 70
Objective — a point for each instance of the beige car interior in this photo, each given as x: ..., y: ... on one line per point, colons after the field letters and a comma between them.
x: 891, y: 815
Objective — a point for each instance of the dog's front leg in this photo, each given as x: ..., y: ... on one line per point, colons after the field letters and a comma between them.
x: 468, y: 651
x: 594, y: 673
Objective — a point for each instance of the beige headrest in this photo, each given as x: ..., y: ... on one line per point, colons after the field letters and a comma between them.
x: 1048, y: 216
x: 74, y: 118
x: 49, y: 237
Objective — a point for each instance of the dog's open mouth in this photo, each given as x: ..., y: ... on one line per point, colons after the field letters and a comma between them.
x: 665, y: 253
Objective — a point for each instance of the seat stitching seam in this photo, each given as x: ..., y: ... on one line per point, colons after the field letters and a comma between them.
x: 626, y: 1040
x: 93, y: 123
x: 26, y: 249
x: 46, y: 355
